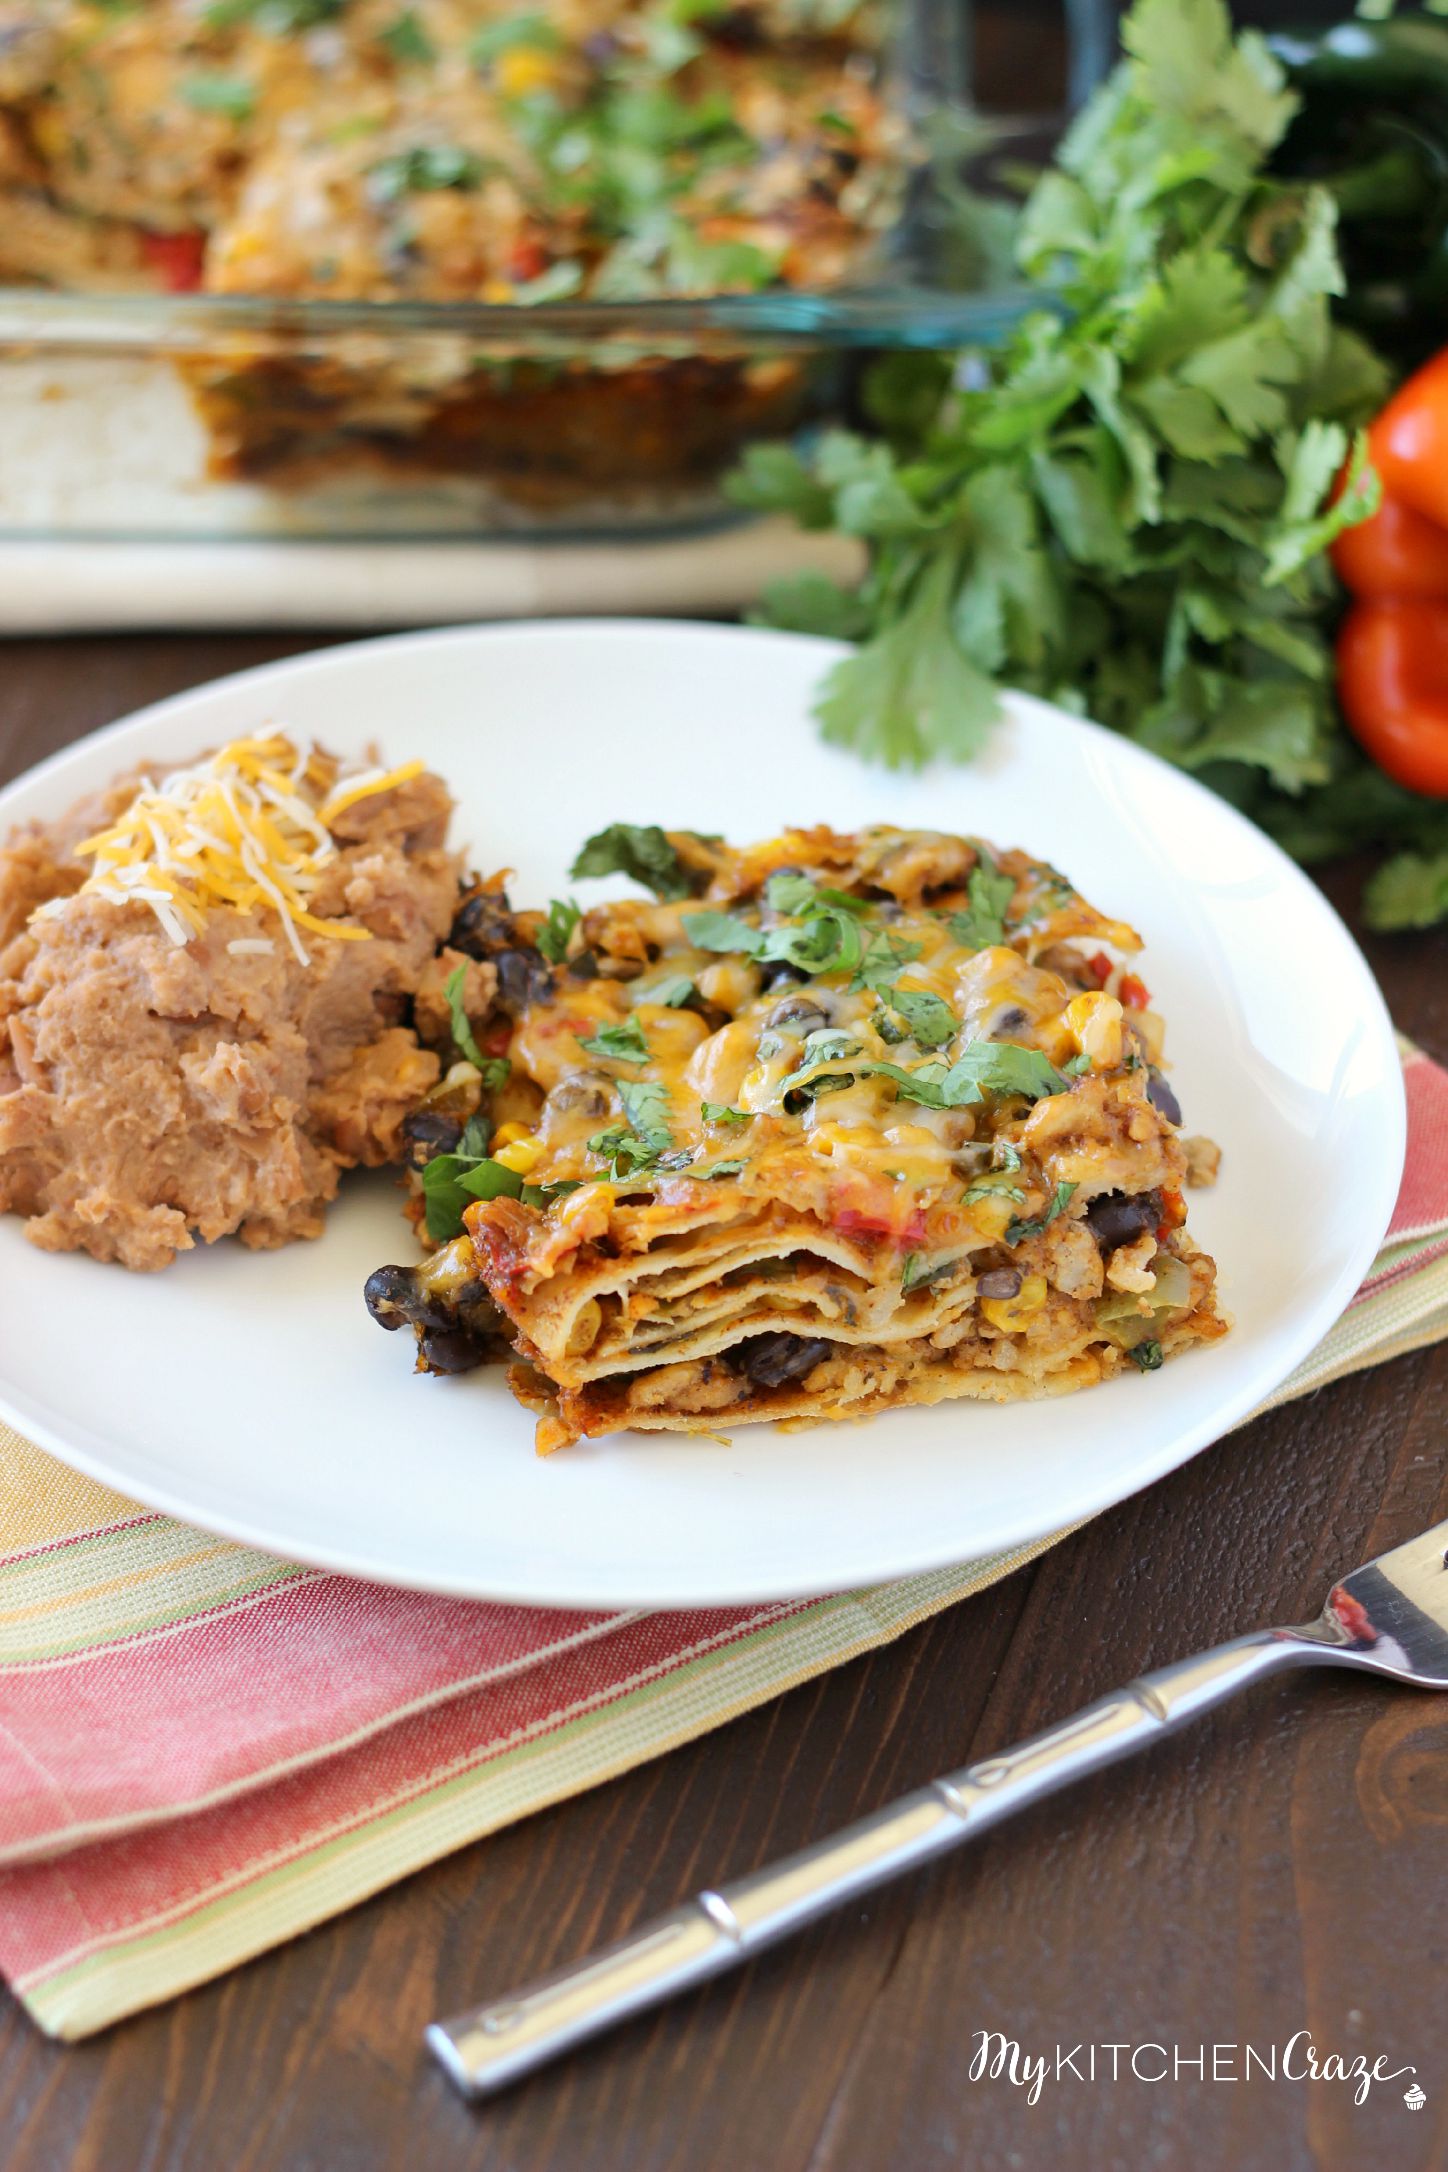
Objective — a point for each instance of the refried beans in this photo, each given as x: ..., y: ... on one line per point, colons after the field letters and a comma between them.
x: 156, y: 1092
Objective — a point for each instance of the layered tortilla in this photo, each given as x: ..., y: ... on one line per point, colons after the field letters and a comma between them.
x: 842, y: 1123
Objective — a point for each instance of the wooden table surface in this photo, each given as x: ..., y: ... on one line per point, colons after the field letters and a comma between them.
x: 1281, y: 1867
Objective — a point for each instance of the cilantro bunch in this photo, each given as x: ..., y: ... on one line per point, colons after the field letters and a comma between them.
x: 1124, y: 507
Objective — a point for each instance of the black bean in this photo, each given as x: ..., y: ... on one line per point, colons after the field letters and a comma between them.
x: 524, y: 978
x: 386, y: 1291
x: 1161, y: 1097
x: 429, y: 1132
x: 1120, y: 1217
x: 394, y: 1295
x: 804, y: 1012
x: 768, y: 1361
x: 783, y: 975
x: 581, y: 1095
x: 1000, y: 1282
x: 584, y: 966
x: 450, y: 1350
x: 484, y: 922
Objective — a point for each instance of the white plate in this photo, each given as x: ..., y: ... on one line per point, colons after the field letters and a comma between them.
x: 249, y: 1392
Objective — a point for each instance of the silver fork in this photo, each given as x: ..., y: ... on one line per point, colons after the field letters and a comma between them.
x: 1390, y: 1617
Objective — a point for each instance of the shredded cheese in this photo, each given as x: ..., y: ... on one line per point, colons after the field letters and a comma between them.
x: 248, y: 828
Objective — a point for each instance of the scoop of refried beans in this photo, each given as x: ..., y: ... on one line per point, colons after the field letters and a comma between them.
x: 154, y: 1093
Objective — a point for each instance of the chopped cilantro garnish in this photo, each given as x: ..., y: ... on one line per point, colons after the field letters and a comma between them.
x: 276, y: 16
x: 884, y: 955
x: 530, y: 31
x: 622, y: 1044
x: 1005, y: 1161
x: 983, y: 1067
x: 982, y: 924
x: 645, y: 1141
x: 646, y: 1105
x: 1078, y: 1066
x: 919, y: 1269
x: 719, y: 1112
x: 824, y: 939
x: 230, y: 95
x: 1146, y: 1356
x: 407, y: 40
x: 1055, y: 1205
x: 426, y: 167
x: 723, y: 931
x: 644, y: 854
x: 451, y: 1181
x: 723, y: 1169
x: 462, y: 1032
x: 554, y: 937
x: 674, y: 994
x: 932, y: 1022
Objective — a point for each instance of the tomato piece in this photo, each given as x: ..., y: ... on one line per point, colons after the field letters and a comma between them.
x: 1399, y: 552
x: 527, y: 259
x: 1173, y: 1214
x: 1392, y: 679
x: 176, y: 259
x: 1409, y: 441
x: 859, y: 1222
x: 1134, y: 992
x: 496, y: 1040
x: 1099, y: 968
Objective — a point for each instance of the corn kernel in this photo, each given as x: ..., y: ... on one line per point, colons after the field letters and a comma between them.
x: 523, y: 70
x: 509, y: 1134
x: 520, y: 1156
x: 1095, y: 1026
x: 991, y: 1214
x: 1011, y: 1314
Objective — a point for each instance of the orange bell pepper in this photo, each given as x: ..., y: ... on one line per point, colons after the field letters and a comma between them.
x: 1392, y: 649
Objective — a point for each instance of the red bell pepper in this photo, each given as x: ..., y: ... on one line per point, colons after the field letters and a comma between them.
x: 1392, y: 650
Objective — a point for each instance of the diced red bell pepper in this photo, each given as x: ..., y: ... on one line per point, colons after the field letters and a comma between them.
x: 176, y: 259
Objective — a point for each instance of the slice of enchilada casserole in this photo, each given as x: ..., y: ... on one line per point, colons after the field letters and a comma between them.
x: 832, y: 1124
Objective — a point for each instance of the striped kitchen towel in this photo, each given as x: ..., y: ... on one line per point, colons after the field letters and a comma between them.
x: 205, y: 1750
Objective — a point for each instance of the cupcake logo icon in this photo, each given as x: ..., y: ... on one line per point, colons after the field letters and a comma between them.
x: 1414, y: 2098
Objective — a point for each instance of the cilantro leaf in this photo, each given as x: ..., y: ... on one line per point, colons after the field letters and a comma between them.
x: 919, y: 1270
x: 674, y: 993
x: 407, y: 40
x: 723, y: 931
x: 910, y: 691
x: 1146, y: 1356
x: 719, y: 1112
x: 983, y: 1067
x: 621, y: 1044
x: 644, y: 854
x: 884, y: 955
x: 462, y: 1032
x: 451, y: 1181
x: 1409, y: 891
x: 230, y: 95
x: 554, y: 937
x: 1055, y: 1205
x: 1124, y: 505
x: 982, y: 924
x: 423, y: 169
x: 931, y: 1020
x: 724, y: 1169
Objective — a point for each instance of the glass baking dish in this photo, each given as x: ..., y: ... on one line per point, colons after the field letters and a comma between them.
x: 130, y: 415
